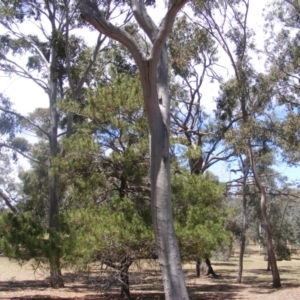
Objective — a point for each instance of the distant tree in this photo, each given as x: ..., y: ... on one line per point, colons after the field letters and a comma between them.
x: 244, y: 95
x: 194, y: 59
x: 283, y: 52
x: 195, y: 134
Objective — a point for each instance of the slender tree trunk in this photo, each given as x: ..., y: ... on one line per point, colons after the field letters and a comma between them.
x: 198, y: 263
x: 268, y: 264
x: 56, y: 280
x: 243, y: 234
x: 263, y: 206
x: 241, y: 256
x: 196, y: 167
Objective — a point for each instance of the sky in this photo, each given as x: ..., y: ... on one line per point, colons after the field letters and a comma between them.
x: 27, y: 96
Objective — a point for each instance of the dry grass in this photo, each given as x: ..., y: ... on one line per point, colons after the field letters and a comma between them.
x: 18, y: 282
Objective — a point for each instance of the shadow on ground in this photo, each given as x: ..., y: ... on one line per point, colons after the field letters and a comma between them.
x: 146, y: 285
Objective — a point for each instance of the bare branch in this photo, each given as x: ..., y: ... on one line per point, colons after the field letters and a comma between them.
x: 26, y: 119
x: 22, y: 153
x: 7, y: 201
x: 23, y: 73
x: 32, y: 43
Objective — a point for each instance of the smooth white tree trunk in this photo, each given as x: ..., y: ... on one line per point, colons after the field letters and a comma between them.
x: 166, y: 243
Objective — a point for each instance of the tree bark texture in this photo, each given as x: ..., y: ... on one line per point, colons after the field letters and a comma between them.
x: 153, y: 71
x: 241, y: 254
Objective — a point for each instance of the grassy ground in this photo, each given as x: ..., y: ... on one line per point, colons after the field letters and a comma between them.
x: 18, y: 282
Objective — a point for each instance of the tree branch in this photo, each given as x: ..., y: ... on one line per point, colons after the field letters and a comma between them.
x: 22, y: 73
x: 165, y: 28
x: 7, y: 201
x: 26, y: 119
x: 91, y: 14
x: 22, y: 153
x: 143, y: 19
x: 37, y: 49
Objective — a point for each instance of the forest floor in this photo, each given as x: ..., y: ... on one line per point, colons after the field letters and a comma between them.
x: 21, y: 282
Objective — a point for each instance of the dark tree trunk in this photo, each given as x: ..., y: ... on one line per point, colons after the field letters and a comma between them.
x: 56, y: 279
x: 210, y: 270
x: 241, y: 258
x: 207, y: 268
x: 125, y: 291
x: 124, y: 277
x: 198, y: 263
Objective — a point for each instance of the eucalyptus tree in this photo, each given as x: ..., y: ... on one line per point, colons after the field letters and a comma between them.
x: 58, y: 62
x: 194, y: 60
x: 197, y: 135
x: 153, y: 70
x: 246, y: 91
x: 282, y: 49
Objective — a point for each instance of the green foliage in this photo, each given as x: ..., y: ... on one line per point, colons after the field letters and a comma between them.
x: 113, y: 231
x: 200, y: 215
x: 22, y: 237
x: 118, y: 228
x: 187, y: 43
x: 109, y: 152
x: 35, y: 185
x: 20, y: 144
x: 8, y: 122
x: 289, y: 138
